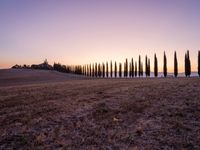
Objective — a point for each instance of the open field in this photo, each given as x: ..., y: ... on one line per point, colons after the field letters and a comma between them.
x: 153, y: 113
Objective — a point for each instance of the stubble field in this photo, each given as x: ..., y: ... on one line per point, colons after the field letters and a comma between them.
x: 79, y: 113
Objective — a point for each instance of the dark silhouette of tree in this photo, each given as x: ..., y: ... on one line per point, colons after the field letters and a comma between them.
x: 146, y: 66
x: 111, y: 70
x: 61, y: 68
x: 115, y: 69
x: 84, y: 70
x: 99, y: 70
x: 90, y: 70
x: 135, y: 69
x: 187, y: 64
x: 175, y: 65
x: 199, y: 63
x: 126, y: 67
x: 132, y: 68
x: 120, y: 70
x: 165, y: 66
x: 107, y: 69
x: 93, y: 70
x: 87, y: 70
x: 149, y: 68
x: 103, y: 68
x: 96, y: 70
x: 139, y: 66
x: 155, y: 66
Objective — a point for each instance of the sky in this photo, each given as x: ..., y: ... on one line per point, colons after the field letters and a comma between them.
x: 87, y: 31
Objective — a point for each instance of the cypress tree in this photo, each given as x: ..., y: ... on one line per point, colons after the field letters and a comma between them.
x: 146, y: 66
x: 98, y: 70
x: 85, y: 70
x: 130, y: 70
x: 103, y: 67
x: 107, y: 69
x: 199, y: 63
x: 95, y: 69
x: 111, y: 70
x: 139, y: 66
x: 155, y: 66
x: 187, y: 64
x: 165, y: 66
x: 135, y: 69
x: 115, y: 69
x: 120, y: 70
x: 175, y: 65
x: 90, y: 70
x: 132, y: 67
x: 126, y: 67
x: 149, y: 69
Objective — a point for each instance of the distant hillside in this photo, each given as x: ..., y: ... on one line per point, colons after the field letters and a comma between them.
x: 9, y: 77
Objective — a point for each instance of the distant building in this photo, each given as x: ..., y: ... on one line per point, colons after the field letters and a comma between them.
x: 44, y: 66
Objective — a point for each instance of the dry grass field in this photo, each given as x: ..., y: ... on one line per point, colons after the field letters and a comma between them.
x: 49, y: 110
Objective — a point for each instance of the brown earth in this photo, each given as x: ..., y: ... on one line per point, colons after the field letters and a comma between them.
x: 153, y: 113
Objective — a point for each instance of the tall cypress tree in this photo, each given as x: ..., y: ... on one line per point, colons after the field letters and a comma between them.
x: 149, y: 69
x: 99, y: 70
x: 146, y: 66
x: 107, y: 69
x: 126, y: 67
x: 120, y: 70
x: 139, y: 66
x: 90, y: 70
x: 165, y: 65
x: 187, y: 64
x: 87, y: 70
x: 135, y: 69
x: 132, y: 67
x: 103, y: 68
x: 155, y: 66
x: 96, y: 70
x: 115, y: 69
x: 111, y: 70
x: 130, y: 70
x: 199, y: 63
x: 175, y: 65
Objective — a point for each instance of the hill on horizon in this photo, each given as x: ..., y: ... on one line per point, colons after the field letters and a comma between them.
x: 10, y: 77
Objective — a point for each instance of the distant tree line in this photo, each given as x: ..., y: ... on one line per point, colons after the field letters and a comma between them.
x: 105, y: 70
x: 133, y: 69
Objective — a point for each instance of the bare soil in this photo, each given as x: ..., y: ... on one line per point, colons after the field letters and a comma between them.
x: 142, y: 113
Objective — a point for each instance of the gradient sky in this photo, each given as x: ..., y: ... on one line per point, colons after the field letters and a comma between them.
x: 84, y: 31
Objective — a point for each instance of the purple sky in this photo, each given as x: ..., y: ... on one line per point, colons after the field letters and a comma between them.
x: 84, y: 31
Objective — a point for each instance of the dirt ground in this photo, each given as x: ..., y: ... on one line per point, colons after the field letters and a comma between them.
x: 152, y: 113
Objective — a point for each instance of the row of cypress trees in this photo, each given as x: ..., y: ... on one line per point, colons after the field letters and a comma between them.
x: 102, y: 70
